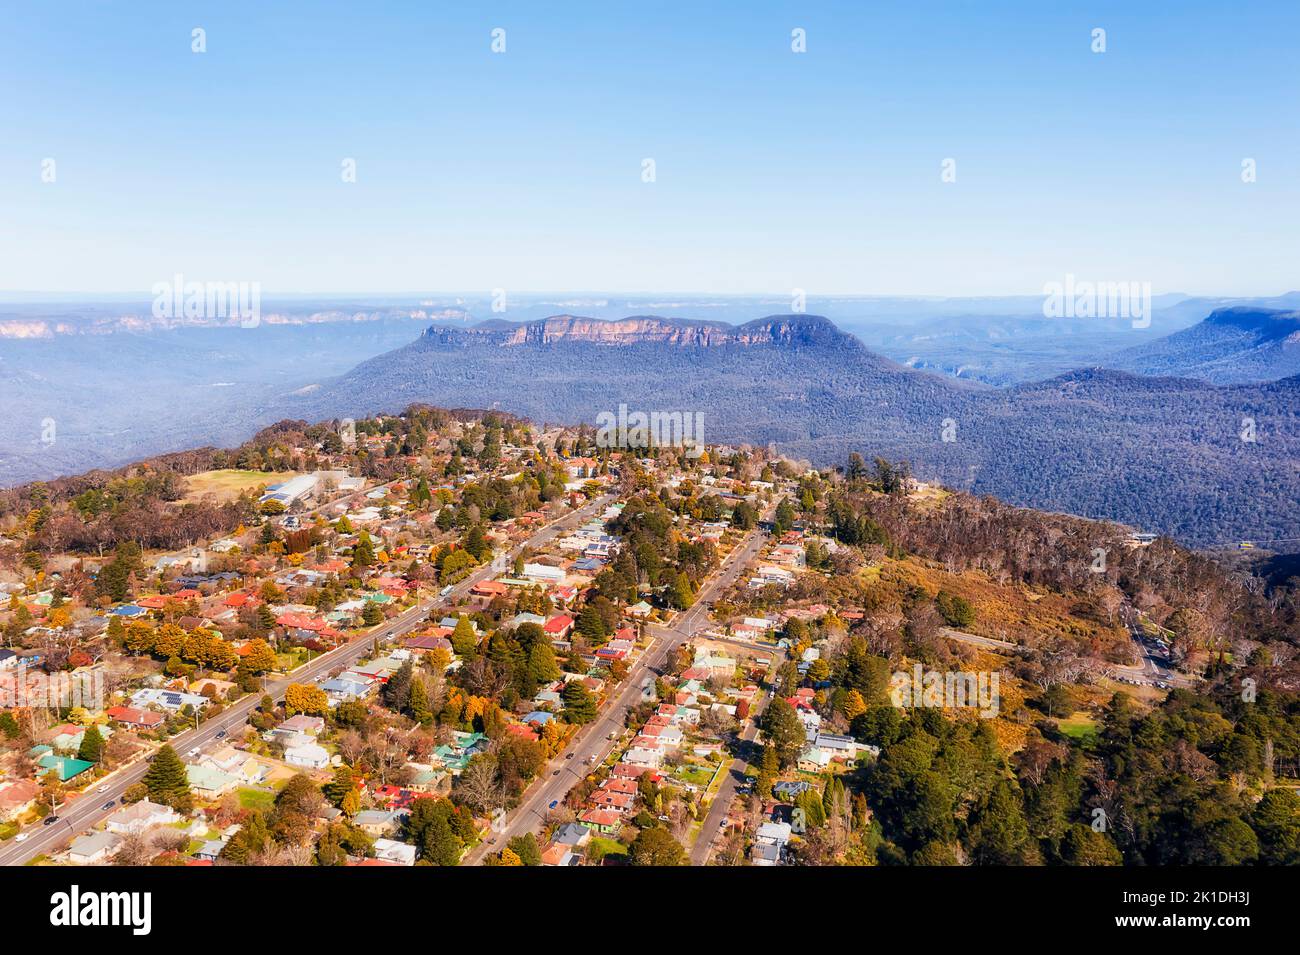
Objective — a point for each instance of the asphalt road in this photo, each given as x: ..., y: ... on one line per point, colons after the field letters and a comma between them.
x: 87, y: 810
x: 735, y: 774
x: 593, y: 739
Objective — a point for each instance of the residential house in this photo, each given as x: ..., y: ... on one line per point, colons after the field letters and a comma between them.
x: 377, y: 822
x: 543, y: 572
x: 308, y: 756
x: 208, y: 782
x: 171, y: 700
x: 65, y: 767
x: 310, y: 725
x: 140, y: 817
x: 605, y: 821
x: 559, y: 627
x: 572, y: 835
x: 92, y: 847
x: 17, y: 797
x: 389, y: 850
x: 210, y: 851
x: 559, y: 855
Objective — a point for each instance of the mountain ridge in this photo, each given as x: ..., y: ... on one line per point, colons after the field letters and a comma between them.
x: 1161, y: 453
x: 790, y: 329
x: 1232, y: 345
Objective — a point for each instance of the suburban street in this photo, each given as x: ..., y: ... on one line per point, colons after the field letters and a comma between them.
x: 90, y: 808
x: 735, y: 772
x: 593, y: 739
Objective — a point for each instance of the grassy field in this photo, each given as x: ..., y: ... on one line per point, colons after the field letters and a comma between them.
x: 255, y: 799
x: 1079, y: 725
x: 228, y: 483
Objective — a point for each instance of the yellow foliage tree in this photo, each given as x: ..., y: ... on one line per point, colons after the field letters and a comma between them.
x: 306, y: 698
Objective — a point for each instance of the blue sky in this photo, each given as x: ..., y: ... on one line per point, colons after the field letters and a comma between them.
x: 774, y: 170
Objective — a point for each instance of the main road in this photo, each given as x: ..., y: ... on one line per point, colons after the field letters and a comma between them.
x: 570, y: 766
x: 92, y: 807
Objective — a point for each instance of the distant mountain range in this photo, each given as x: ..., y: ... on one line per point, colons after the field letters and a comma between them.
x: 1232, y: 346
x: 1163, y: 454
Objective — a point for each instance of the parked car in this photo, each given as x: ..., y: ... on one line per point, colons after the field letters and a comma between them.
x: 554, y: 802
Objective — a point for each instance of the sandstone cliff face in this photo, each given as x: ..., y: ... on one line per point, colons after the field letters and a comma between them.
x: 774, y: 330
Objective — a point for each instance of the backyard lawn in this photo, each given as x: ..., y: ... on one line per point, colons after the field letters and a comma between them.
x: 255, y: 799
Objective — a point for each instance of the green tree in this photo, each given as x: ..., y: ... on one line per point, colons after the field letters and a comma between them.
x: 372, y: 615
x: 463, y: 639
x: 440, y: 845
x: 1276, y: 820
x: 1001, y: 835
x: 579, y: 706
x: 525, y: 847
x: 1082, y: 845
x: 656, y: 847
x: 681, y: 594
x: 784, y: 732
x: 167, y: 781
x: 92, y: 745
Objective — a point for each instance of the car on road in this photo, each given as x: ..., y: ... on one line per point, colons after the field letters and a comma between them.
x: 193, y: 752
x: 49, y: 820
x: 556, y: 773
x: 613, y: 735
x: 568, y: 756
x: 221, y: 734
x: 109, y: 805
x: 592, y: 759
x: 21, y: 837
x: 445, y: 591
x: 102, y: 789
x: 553, y: 803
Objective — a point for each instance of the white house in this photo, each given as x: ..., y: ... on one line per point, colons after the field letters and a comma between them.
x: 92, y: 847
x: 391, y: 851
x: 140, y: 817
x: 640, y: 756
x: 543, y: 572
x: 309, y: 756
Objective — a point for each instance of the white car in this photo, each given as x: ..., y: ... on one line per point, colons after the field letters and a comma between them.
x: 102, y: 789
x: 21, y: 837
x: 193, y: 752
